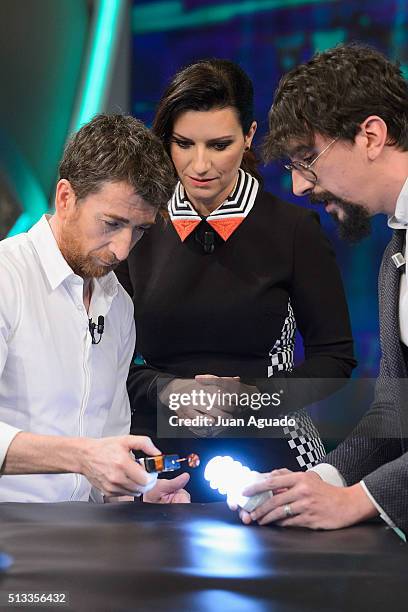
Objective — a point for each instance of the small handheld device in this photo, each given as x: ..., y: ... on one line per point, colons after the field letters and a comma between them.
x: 168, y: 463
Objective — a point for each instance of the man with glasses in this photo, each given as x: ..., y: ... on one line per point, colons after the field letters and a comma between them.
x: 342, y: 119
x: 305, y: 167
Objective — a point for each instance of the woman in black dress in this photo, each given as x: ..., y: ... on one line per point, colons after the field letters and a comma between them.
x: 221, y: 288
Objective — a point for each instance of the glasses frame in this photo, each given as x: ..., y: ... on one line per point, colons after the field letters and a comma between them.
x: 302, y: 166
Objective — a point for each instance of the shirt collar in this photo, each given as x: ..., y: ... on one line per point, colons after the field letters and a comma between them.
x: 53, y: 263
x: 225, y: 219
x: 399, y: 220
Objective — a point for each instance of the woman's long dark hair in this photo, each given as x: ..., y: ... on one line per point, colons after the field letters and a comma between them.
x: 205, y: 85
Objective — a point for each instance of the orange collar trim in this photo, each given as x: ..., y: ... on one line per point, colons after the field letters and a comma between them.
x: 225, y: 219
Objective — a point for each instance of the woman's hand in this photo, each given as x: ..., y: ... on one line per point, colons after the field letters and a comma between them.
x: 192, y: 398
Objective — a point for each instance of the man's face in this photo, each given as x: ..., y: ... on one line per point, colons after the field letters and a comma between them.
x: 98, y: 232
x: 344, y: 185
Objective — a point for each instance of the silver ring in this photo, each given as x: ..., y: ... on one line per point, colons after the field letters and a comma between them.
x: 288, y: 510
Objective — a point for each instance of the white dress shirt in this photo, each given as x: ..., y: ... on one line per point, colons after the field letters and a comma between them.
x: 53, y: 380
x: 326, y: 471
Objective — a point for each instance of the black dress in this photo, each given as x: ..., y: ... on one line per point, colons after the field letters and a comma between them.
x: 234, y: 312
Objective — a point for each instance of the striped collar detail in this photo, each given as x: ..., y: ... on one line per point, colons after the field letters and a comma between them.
x: 225, y: 219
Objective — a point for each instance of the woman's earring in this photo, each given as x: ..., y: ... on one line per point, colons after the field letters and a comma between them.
x: 247, y: 148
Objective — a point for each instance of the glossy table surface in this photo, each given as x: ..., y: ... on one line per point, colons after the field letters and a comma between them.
x: 196, y: 557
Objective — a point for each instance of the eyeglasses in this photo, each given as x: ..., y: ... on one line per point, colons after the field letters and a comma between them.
x: 305, y: 169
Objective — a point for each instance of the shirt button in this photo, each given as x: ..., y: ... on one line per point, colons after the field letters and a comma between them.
x: 80, y: 307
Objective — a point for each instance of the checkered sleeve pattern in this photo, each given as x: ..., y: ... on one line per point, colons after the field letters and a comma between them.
x: 304, y: 440
x: 281, y: 353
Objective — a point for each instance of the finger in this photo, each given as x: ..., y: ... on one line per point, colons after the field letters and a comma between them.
x: 277, y: 501
x: 181, y: 497
x: 228, y: 385
x: 216, y: 412
x: 142, y: 443
x: 136, y: 474
x: 279, y: 514
x: 271, y: 517
x: 223, y: 408
x: 272, y: 482
x: 192, y: 413
x: 257, y: 487
x: 263, y: 509
x: 118, y: 498
x: 212, y: 413
x: 206, y: 378
x: 114, y: 494
x: 174, y: 484
x: 294, y: 521
x: 227, y: 409
x: 245, y: 517
x: 205, y: 409
x: 121, y: 486
x: 280, y: 472
x: 221, y: 381
x: 232, y: 506
x: 199, y: 410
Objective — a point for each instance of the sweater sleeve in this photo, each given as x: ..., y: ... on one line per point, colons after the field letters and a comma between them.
x: 321, y: 314
x: 144, y: 384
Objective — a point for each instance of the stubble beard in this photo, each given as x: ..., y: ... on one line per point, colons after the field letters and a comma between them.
x: 356, y: 224
x: 83, y: 265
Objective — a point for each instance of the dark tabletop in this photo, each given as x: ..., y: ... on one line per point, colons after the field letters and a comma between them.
x: 197, y: 557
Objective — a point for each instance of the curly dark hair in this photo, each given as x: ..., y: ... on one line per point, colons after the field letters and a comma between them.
x: 118, y: 148
x: 208, y: 84
x: 332, y: 94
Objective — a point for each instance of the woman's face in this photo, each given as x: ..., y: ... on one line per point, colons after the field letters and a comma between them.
x: 207, y: 148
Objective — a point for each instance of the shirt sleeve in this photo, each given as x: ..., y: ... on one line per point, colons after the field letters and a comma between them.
x: 7, y: 434
x: 329, y: 474
x: 144, y: 385
x: 9, y: 301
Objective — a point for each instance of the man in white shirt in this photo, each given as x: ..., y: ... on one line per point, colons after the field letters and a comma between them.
x: 66, y: 325
x: 342, y: 119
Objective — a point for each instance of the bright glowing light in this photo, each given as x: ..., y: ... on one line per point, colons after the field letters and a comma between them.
x: 230, y: 478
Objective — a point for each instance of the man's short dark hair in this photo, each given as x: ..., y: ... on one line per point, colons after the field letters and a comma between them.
x: 118, y: 148
x: 333, y: 94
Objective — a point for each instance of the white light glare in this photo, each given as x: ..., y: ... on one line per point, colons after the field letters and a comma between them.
x: 230, y: 478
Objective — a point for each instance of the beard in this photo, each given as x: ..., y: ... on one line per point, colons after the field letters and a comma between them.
x: 84, y: 265
x: 356, y: 224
